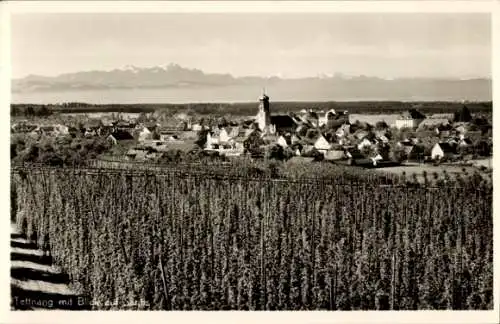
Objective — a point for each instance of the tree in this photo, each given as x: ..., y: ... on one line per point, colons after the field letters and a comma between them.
x: 275, y: 152
x: 384, y: 150
x: 397, y: 154
x: 314, y: 153
x: 202, y: 138
x: 463, y: 115
x: 368, y: 150
x: 143, y: 118
x: 482, y: 148
x: 13, y: 151
x: 381, y: 125
x: 302, y: 130
x: 311, y: 133
x: 222, y: 122
x: 331, y: 136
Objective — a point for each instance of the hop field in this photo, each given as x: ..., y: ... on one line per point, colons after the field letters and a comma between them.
x: 188, y: 242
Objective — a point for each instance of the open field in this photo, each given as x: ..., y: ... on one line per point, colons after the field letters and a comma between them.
x: 450, y: 169
x: 390, y: 119
x: 97, y: 115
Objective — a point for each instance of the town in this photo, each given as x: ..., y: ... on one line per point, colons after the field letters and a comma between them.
x: 307, y: 136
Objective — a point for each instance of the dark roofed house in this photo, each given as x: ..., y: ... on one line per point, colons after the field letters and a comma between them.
x: 283, y: 123
x: 443, y: 150
x: 23, y: 128
x: 152, y: 127
x: 353, y: 153
x: 297, y: 148
x: 121, y: 135
x: 412, y: 114
x: 312, y: 118
x: 464, y: 142
x: 47, y: 129
x: 361, y: 134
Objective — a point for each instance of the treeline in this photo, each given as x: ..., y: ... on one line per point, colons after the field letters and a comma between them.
x: 201, y: 243
x: 57, y: 151
x: 249, y: 108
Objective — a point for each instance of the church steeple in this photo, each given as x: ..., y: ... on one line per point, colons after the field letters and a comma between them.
x: 264, y: 116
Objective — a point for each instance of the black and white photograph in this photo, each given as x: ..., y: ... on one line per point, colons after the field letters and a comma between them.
x: 251, y: 161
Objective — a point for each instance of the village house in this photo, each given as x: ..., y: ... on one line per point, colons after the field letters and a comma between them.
x: 213, y: 139
x: 343, y: 130
x: 442, y: 150
x: 312, y: 118
x: 197, y: 127
x: 141, y: 154
x: 409, y: 119
x: 249, y: 139
x: 47, y: 130
x: 118, y: 136
x: 464, y: 142
x: 227, y: 133
x: 232, y: 142
x: 61, y: 130
x: 124, y: 125
x: 296, y: 148
x: 321, y: 144
x: 330, y: 151
x: 283, y: 141
x: 353, y: 155
x: 361, y: 134
x: 335, y: 153
x: 461, y: 129
x: 382, y: 139
x: 23, y: 128
x: 365, y: 142
x: 144, y: 134
x: 334, y: 118
x: 300, y: 120
x: 166, y: 134
x: 432, y: 123
x: 295, y: 139
x: 281, y: 124
x: 443, y: 130
x: 411, y: 151
x: 376, y: 159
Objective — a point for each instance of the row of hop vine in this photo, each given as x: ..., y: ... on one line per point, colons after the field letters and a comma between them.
x: 201, y: 243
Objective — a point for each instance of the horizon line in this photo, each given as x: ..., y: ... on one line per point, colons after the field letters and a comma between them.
x: 249, y: 101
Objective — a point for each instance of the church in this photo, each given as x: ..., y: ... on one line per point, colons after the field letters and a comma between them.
x: 273, y: 124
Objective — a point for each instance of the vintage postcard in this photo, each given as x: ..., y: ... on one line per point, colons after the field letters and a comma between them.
x: 322, y: 162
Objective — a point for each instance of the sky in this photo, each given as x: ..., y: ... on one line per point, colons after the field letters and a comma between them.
x: 386, y: 45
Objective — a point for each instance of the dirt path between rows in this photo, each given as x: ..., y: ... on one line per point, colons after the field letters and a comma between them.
x: 36, y: 283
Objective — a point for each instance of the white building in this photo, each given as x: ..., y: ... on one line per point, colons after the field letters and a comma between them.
x: 442, y: 150
x: 410, y: 119
x: 322, y: 145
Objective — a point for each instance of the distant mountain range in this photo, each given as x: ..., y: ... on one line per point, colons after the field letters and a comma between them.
x: 335, y: 87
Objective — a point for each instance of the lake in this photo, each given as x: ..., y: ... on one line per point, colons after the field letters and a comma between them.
x: 234, y: 93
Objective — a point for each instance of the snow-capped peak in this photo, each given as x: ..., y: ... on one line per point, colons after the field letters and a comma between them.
x: 131, y: 68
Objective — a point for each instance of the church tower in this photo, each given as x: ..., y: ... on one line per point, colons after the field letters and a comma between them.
x: 264, y: 116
